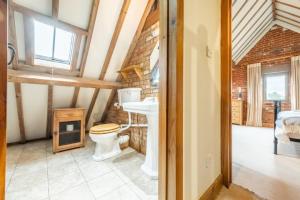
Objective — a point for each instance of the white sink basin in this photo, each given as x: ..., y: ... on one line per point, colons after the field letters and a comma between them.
x: 148, y: 107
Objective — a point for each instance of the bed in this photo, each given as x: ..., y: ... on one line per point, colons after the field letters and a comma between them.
x: 287, y: 125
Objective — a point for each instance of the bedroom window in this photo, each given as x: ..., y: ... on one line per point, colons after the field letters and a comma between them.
x: 53, y: 46
x: 276, y: 86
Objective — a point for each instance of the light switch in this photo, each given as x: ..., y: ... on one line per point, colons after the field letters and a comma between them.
x: 208, y: 52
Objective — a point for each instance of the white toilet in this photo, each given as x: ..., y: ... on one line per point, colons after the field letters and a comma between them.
x: 106, y: 135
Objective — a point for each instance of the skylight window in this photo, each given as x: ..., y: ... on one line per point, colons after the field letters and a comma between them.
x: 53, y: 47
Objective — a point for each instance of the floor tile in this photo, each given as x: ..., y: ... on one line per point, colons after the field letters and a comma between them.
x: 93, y: 169
x: 37, y: 191
x: 80, y: 192
x: 59, y: 184
x: 31, y: 166
x: 122, y: 193
x: 105, y: 184
x: 62, y: 169
x: 21, y: 182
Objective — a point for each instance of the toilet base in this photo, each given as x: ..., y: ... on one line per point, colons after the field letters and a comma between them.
x: 106, y: 156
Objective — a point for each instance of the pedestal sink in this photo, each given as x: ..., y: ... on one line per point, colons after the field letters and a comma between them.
x: 148, y: 107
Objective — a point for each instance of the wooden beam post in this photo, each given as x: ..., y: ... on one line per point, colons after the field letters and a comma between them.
x: 18, y: 92
x: 29, y: 39
x: 129, y: 53
x: 50, y: 110
x: 55, y: 8
x: 3, y: 94
x: 226, y: 62
x: 92, y: 21
x: 109, y: 54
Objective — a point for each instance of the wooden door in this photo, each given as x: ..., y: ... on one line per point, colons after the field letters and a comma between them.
x: 3, y: 85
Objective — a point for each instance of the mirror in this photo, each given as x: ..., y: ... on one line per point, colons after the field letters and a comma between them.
x: 154, y: 66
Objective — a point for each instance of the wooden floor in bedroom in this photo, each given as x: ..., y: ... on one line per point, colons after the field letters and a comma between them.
x: 236, y: 193
x: 256, y: 168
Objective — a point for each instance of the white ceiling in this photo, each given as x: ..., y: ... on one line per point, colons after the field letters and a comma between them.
x: 252, y: 19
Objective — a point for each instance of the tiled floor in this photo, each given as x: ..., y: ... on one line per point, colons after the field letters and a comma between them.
x: 34, y: 173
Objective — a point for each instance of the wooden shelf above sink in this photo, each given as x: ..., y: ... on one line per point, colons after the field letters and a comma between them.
x: 137, y: 69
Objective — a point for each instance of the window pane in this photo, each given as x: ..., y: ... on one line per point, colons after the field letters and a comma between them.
x: 43, y: 39
x: 276, y: 87
x: 63, y: 45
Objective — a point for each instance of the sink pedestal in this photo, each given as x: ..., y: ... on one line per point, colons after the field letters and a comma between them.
x: 148, y: 107
x: 150, y: 166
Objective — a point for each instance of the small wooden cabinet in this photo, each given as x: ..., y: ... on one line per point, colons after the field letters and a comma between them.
x: 237, y: 111
x: 68, y: 129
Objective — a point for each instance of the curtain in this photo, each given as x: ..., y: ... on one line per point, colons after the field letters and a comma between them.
x: 295, y: 83
x: 255, y: 95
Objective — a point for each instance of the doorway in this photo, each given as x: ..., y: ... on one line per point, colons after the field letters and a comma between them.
x: 170, y: 184
x: 251, y: 146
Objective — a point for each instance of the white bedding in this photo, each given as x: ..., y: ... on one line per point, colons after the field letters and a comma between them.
x: 288, y: 125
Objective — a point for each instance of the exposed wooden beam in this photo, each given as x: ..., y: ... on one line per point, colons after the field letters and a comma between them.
x: 249, y: 39
x: 244, y: 16
x: 49, y: 114
x: 42, y: 69
x: 18, y: 92
x: 47, y: 19
x: 55, y: 8
x: 284, y: 21
x: 246, y: 24
x: 273, y: 58
x: 152, y: 18
x: 240, y: 9
x: 288, y: 4
x: 289, y: 23
x: 91, y: 26
x: 273, y: 9
x: 109, y: 53
x: 76, y: 49
x: 286, y: 18
x: 253, y: 41
x: 29, y: 39
x: 129, y: 53
x: 252, y: 29
x: 288, y: 13
x: 19, y: 76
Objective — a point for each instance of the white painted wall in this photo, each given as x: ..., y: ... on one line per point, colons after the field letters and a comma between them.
x: 13, y: 130
x: 201, y: 96
x: 35, y: 97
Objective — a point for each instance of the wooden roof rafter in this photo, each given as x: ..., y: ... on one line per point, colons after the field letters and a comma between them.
x: 109, y: 54
x: 47, y: 19
x: 91, y: 26
x: 245, y: 34
x: 129, y: 54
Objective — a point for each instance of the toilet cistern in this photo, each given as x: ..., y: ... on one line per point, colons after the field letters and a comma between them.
x: 148, y: 107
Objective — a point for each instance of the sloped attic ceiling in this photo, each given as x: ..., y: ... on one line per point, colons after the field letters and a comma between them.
x: 77, y: 13
x: 251, y: 20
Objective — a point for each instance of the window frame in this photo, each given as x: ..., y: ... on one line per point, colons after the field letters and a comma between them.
x: 52, y: 58
x: 274, y: 74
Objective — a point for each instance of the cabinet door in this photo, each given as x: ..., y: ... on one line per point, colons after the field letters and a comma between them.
x: 68, y: 134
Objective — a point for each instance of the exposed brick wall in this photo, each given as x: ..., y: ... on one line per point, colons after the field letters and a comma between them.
x: 140, y: 56
x: 278, y: 42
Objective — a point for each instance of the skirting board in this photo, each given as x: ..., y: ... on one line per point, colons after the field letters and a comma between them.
x: 213, y: 190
